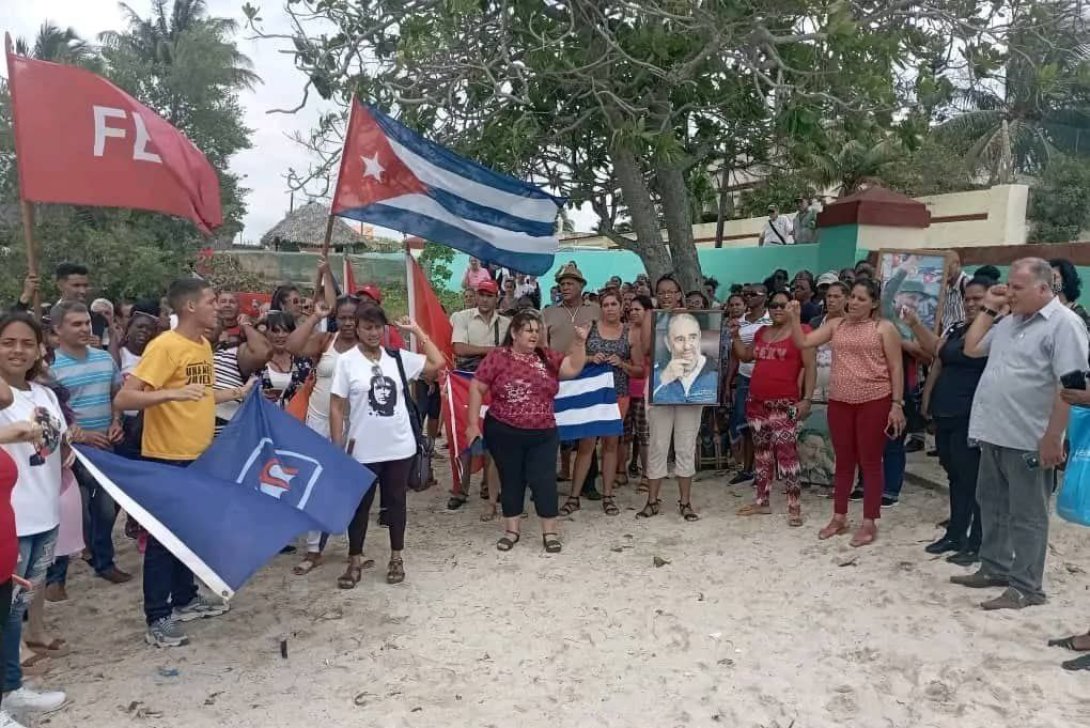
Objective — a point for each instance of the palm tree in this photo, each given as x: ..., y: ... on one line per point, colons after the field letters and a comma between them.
x: 1038, y: 108
x: 847, y: 163
x: 59, y: 46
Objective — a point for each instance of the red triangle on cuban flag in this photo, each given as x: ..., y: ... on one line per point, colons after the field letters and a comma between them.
x: 370, y: 171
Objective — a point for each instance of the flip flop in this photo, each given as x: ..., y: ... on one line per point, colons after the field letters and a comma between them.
x: 1079, y: 663
x: 1068, y: 643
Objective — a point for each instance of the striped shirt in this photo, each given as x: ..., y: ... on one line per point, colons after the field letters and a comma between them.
x: 92, y: 380
x: 953, y: 311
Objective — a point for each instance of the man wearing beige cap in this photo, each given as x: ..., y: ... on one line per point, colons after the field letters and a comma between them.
x: 560, y: 322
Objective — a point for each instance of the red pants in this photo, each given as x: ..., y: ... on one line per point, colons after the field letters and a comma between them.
x: 858, y: 432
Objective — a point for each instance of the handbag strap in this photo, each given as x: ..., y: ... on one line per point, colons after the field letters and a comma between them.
x: 410, y: 403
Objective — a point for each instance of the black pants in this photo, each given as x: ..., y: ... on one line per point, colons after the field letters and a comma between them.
x: 5, y: 609
x: 962, y: 464
x: 524, y: 458
x: 392, y: 479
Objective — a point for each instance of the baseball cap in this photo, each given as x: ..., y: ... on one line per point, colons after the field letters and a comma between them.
x: 372, y: 291
x: 488, y: 287
x: 827, y: 278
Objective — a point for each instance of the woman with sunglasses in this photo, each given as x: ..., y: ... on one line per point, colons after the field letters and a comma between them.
x: 523, y: 378
x: 866, y: 400
x: 369, y: 416
x: 285, y: 373
x: 775, y: 407
x: 308, y: 343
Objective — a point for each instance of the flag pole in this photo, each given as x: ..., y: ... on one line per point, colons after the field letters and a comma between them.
x: 26, y: 206
x: 410, y: 288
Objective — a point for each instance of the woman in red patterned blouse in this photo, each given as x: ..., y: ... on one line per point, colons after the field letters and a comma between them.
x: 522, y: 378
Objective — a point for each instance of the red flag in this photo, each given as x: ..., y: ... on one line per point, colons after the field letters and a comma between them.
x: 455, y: 391
x: 349, y: 278
x: 81, y: 140
x: 429, y: 312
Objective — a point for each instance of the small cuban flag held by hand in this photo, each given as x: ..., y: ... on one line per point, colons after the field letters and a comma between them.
x: 392, y: 176
x: 266, y: 479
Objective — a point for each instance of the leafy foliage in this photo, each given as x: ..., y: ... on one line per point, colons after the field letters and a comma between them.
x: 1060, y: 204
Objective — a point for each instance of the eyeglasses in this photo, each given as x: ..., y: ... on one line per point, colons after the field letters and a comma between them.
x: 752, y: 293
x: 776, y: 306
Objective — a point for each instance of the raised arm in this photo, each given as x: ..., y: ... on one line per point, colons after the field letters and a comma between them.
x: 976, y: 338
x: 925, y: 337
x: 818, y: 337
x: 255, y: 351
x: 436, y: 361
x: 576, y: 357
x: 306, y: 341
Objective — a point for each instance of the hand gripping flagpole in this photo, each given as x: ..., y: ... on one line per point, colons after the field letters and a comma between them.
x: 410, y: 288
x: 26, y: 206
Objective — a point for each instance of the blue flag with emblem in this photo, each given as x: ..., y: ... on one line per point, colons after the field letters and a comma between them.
x: 264, y: 481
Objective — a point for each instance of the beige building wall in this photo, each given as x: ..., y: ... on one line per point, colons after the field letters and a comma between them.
x: 995, y: 216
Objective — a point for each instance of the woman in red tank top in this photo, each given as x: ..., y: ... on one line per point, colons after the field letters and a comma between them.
x: 775, y: 406
x: 866, y: 401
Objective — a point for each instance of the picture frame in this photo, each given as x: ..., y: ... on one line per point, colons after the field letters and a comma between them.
x: 686, y: 358
x: 916, y: 279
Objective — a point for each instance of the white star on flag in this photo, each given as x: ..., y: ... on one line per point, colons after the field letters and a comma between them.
x: 372, y: 167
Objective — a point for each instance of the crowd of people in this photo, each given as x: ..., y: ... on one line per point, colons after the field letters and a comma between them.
x: 815, y: 389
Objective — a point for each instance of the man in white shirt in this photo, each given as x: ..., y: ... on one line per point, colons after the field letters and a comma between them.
x: 777, y: 230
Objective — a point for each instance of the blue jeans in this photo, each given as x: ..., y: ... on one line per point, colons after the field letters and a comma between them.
x: 99, y: 515
x: 35, y: 556
x: 893, y: 466
x: 168, y: 583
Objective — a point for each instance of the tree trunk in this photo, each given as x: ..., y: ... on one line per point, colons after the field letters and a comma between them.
x: 670, y: 182
x: 648, y: 243
x: 722, y: 209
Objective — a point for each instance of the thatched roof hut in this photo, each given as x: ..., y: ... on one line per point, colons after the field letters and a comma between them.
x: 305, y: 228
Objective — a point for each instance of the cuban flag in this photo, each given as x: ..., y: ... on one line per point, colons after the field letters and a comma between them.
x: 266, y: 479
x: 392, y: 176
x: 587, y: 405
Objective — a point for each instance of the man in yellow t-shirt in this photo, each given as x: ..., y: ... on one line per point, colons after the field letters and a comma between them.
x: 172, y: 384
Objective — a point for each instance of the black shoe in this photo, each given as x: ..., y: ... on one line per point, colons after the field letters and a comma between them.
x: 591, y: 494
x: 914, y: 446
x: 888, y: 502
x: 943, y: 545
x: 742, y: 477
x: 943, y: 524
x: 932, y: 453
x: 964, y: 558
x: 856, y: 495
x: 456, y: 502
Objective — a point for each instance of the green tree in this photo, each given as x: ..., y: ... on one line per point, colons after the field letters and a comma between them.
x: 185, y: 65
x: 1030, y: 103
x: 616, y: 104
x: 60, y: 46
x: 1059, y: 205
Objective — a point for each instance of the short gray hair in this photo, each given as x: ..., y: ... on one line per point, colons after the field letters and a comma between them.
x: 1039, y: 268
x: 63, y: 308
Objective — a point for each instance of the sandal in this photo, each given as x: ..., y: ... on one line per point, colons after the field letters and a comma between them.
x: 395, y: 571
x: 506, y: 544
x: 865, y: 536
x: 489, y: 513
x: 754, y: 509
x: 55, y: 648
x: 644, y: 486
x: 609, y: 505
x: 687, y: 512
x: 1068, y: 643
x: 552, y: 545
x: 308, y: 563
x: 1079, y: 663
x: 651, y: 508
x: 351, y: 576
x: 835, y: 528
x: 36, y: 665
x: 571, y: 505
x: 794, y: 516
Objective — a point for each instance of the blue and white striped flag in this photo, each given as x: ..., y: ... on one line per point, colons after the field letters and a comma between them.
x: 392, y: 176
x: 587, y: 405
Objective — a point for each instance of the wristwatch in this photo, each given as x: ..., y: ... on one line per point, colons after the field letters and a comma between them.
x: 989, y: 311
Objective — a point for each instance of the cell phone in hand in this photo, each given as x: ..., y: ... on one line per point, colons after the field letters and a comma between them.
x: 1074, y: 380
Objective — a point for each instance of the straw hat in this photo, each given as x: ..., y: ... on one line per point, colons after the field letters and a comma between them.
x: 571, y: 270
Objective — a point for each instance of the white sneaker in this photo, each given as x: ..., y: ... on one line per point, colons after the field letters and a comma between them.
x: 6, y: 721
x: 25, y: 700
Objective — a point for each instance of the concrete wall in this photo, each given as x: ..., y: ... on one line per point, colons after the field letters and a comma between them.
x: 995, y: 216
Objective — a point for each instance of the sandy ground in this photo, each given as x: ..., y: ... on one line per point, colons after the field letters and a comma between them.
x: 749, y: 623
